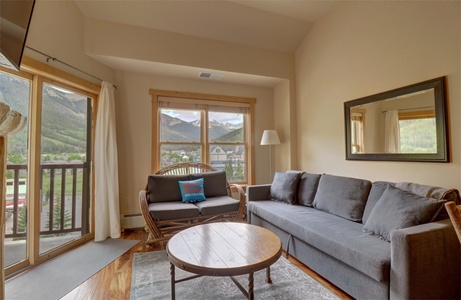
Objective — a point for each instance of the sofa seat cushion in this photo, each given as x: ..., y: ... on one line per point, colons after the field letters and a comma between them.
x: 217, y: 205
x: 173, y: 210
x: 335, y: 236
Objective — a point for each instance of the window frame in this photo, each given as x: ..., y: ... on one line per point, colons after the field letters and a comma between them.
x: 205, y: 100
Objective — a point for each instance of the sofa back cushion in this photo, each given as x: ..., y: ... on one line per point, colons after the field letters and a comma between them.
x: 308, y: 184
x: 376, y: 191
x: 431, y: 192
x: 214, y: 183
x: 284, y: 187
x: 164, y: 188
x: 397, y: 209
x: 342, y: 196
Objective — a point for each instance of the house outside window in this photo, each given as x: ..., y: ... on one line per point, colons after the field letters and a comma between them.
x: 215, y: 130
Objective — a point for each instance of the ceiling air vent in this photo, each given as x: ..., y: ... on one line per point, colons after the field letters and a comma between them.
x: 214, y: 76
x: 205, y: 75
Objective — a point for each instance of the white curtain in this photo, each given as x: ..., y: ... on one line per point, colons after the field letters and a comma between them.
x: 392, y: 132
x: 107, y: 211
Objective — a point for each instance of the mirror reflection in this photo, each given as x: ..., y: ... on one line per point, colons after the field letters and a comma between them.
x: 407, y: 123
x: 402, y: 124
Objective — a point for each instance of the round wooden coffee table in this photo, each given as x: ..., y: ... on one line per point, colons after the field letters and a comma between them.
x: 223, y: 249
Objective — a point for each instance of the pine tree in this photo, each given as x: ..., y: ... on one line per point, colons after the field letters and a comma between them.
x: 57, y: 217
x: 229, y: 169
x: 239, y: 173
x: 22, y: 219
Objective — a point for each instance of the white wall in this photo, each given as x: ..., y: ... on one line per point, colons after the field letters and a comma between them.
x: 109, y: 39
x: 363, y: 48
x: 57, y: 29
x: 134, y: 115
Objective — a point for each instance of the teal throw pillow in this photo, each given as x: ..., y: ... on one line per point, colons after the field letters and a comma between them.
x: 192, y: 190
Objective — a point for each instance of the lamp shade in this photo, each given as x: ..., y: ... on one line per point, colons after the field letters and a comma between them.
x: 270, y: 137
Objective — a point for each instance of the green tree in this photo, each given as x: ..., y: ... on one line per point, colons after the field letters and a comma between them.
x: 229, y: 169
x: 22, y: 219
x: 239, y: 173
x: 16, y: 158
x: 57, y: 217
x: 75, y: 156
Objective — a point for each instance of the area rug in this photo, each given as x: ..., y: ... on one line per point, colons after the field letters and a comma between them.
x: 59, y: 276
x: 151, y: 280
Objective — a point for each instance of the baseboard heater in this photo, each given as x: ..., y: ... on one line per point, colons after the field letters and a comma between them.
x: 132, y: 221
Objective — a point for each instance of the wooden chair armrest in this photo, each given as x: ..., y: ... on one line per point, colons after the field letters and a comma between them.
x: 242, y: 199
x: 454, y: 211
x: 146, y: 214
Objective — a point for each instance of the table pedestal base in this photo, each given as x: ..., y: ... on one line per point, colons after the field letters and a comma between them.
x: 249, y: 294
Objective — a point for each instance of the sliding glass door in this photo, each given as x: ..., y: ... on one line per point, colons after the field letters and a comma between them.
x: 65, y: 154
x: 48, y: 195
x: 16, y: 92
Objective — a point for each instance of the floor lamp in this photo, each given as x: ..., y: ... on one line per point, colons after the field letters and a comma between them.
x: 270, y: 137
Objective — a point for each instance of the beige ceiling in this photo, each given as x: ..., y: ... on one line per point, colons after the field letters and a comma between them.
x: 278, y: 25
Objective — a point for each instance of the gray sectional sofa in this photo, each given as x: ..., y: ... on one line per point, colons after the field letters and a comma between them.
x: 379, y: 240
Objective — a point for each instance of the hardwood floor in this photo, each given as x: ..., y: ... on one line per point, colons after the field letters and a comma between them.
x: 114, y: 281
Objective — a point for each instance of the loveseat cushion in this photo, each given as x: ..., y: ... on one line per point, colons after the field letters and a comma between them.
x: 217, y: 205
x: 214, y: 183
x: 397, y: 209
x: 164, y: 188
x: 335, y: 236
x: 284, y: 187
x: 342, y: 196
x: 173, y: 210
x: 308, y: 184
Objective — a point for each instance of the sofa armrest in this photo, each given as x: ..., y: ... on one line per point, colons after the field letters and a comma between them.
x: 425, y: 262
x: 258, y: 192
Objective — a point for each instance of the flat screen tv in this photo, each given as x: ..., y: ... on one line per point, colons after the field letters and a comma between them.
x: 15, y: 19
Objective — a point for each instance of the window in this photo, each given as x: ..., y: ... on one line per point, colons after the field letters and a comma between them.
x: 418, y: 132
x: 215, y: 130
x: 357, y: 122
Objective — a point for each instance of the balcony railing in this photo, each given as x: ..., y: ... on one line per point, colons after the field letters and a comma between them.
x: 63, y: 209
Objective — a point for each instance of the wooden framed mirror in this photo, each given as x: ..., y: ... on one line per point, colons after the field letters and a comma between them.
x: 405, y: 124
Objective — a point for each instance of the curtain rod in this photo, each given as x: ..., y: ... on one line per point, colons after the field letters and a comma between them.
x: 48, y: 58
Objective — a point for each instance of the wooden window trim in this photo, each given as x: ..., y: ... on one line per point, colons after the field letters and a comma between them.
x: 413, y: 115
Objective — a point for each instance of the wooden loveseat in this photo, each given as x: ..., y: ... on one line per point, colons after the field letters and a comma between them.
x: 165, y: 213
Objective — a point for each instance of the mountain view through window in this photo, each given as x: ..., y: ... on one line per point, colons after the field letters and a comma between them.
x: 188, y: 135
